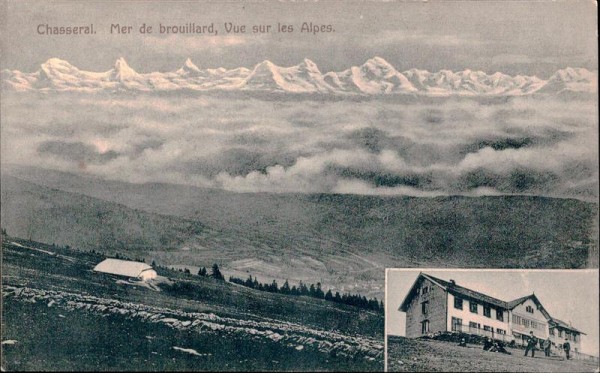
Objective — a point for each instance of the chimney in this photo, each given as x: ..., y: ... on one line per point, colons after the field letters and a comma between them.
x: 452, y: 282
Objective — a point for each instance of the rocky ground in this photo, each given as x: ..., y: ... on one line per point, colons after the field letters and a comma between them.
x: 420, y: 355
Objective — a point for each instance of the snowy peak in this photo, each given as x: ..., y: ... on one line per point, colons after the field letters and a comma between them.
x: 571, y: 80
x: 309, y: 66
x: 123, y: 72
x: 189, y: 69
x: 190, y: 66
x: 56, y: 68
x: 378, y: 66
x: 571, y: 75
x: 265, y: 75
x: 267, y: 68
x: 56, y: 64
x: 302, y: 78
x: 375, y: 76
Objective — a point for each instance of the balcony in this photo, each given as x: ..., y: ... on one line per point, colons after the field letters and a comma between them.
x: 540, y: 331
x: 485, y: 333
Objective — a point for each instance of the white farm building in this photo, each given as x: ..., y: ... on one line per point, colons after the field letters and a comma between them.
x: 126, y: 268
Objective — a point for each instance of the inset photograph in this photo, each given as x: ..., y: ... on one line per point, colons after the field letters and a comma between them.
x: 492, y: 320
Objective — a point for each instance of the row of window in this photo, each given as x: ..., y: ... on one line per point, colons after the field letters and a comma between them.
x: 567, y: 335
x: 425, y: 307
x: 530, y: 324
x: 458, y: 322
x: 424, y: 290
x: 517, y: 320
x: 474, y: 308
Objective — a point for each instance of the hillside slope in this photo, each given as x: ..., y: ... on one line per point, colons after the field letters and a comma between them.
x: 420, y: 355
x: 228, y: 326
x: 344, y: 241
x: 407, y: 226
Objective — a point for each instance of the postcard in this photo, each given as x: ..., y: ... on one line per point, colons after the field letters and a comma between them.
x: 203, y: 185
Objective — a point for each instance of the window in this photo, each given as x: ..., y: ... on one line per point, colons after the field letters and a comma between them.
x: 559, y: 333
x: 458, y: 303
x: 575, y: 337
x: 487, y: 311
x: 534, y: 325
x: 425, y: 290
x: 500, y: 331
x: 425, y: 327
x: 529, y: 309
x: 488, y: 328
x: 425, y: 307
x: 526, y: 323
x: 473, y: 307
x: 474, y: 325
x: 456, y: 324
x: 551, y: 331
x: 516, y: 319
x: 499, y: 315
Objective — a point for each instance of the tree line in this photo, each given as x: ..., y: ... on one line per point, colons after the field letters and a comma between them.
x: 203, y: 272
x: 312, y: 290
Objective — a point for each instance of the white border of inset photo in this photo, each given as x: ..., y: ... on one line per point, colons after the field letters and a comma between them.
x: 501, y: 310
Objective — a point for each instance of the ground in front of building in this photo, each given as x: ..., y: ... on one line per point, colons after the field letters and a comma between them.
x: 426, y: 355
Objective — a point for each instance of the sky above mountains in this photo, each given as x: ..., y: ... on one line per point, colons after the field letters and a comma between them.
x: 530, y: 38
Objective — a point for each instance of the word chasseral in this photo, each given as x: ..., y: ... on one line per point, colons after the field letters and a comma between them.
x: 46, y: 29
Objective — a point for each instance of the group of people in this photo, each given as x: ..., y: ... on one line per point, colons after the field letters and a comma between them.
x: 532, y: 345
x: 488, y: 345
x: 545, y: 345
x: 492, y: 346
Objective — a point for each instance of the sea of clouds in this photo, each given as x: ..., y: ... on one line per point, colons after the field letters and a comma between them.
x: 448, y: 146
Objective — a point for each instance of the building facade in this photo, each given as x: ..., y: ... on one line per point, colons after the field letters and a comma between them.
x: 427, y: 311
x: 435, y: 305
x: 559, y: 332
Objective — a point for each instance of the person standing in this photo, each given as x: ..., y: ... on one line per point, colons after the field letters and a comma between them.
x: 487, y: 345
x: 531, y: 343
x: 547, y: 346
x: 567, y: 348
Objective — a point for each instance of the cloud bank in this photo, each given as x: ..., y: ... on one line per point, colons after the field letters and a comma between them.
x: 455, y: 146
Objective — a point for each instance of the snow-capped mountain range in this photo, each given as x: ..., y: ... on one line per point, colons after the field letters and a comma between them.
x: 376, y: 76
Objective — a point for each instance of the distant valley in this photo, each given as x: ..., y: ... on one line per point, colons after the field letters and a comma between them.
x: 344, y: 241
